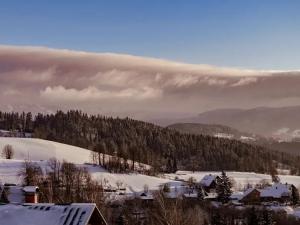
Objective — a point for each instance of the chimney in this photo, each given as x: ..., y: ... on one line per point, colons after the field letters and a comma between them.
x: 31, y: 194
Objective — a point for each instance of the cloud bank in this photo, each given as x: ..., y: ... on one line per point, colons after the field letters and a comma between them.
x: 43, y: 79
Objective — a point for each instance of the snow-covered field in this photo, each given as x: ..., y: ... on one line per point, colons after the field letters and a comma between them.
x: 38, y: 149
x: 41, y: 150
x: 241, y: 179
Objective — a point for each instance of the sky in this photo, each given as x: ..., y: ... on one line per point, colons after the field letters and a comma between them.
x: 252, y: 34
x: 148, y: 59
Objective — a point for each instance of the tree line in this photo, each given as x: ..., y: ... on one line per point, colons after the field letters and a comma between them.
x: 163, y: 148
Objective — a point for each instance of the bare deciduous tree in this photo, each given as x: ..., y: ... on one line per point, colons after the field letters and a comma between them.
x: 8, y: 152
x: 31, y: 173
x: 174, y: 212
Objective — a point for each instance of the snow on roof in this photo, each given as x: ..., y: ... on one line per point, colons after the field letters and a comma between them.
x: 30, y: 189
x: 207, y: 180
x: 190, y: 195
x: 276, y: 191
x: 15, y: 194
x: 237, y: 195
x: 211, y: 196
x: 46, y: 214
x: 146, y: 196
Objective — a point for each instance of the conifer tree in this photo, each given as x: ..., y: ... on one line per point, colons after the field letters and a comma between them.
x: 200, y: 193
x: 224, y: 188
x: 266, y: 218
x: 295, y: 195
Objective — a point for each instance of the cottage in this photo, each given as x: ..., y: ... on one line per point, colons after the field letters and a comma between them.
x: 51, y: 214
x: 31, y: 194
x: 11, y: 193
x: 209, y: 182
x: 278, y: 192
x: 251, y: 197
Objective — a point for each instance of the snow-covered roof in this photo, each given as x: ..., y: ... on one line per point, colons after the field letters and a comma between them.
x: 190, y: 195
x: 237, y: 195
x: 30, y: 189
x: 47, y: 214
x: 15, y: 194
x: 146, y: 196
x: 211, y: 196
x: 207, y: 180
x: 276, y: 191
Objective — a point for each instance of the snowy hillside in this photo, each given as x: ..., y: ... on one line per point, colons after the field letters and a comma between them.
x: 41, y: 150
x: 38, y: 149
x: 9, y: 173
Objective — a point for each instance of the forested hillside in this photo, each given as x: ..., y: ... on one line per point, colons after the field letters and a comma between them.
x: 163, y: 148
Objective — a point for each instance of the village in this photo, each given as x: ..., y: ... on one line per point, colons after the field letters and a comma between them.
x: 212, y: 190
x: 131, y: 194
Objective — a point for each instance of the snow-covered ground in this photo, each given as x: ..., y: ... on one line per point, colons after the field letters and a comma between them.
x: 38, y: 149
x: 241, y: 179
x: 41, y: 150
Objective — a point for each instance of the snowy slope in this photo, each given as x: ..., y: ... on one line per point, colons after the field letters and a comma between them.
x: 9, y: 173
x: 41, y: 150
x: 38, y: 149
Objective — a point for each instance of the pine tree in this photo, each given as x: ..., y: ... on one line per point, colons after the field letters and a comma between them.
x: 200, y: 193
x: 295, y: 195
x: 266, y: 218
x: 224, y: 188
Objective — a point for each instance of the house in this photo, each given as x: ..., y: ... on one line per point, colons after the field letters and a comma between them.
x: 250, y: 197
x: 51, y: 214
x: 31, y: 194
x: 278, y: 192
x: 209, y: 183
x: 11, y: 193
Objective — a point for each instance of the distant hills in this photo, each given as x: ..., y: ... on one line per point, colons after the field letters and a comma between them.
x: 265, y: 121
x: 215, y: 130
x: 221, y: 131
x: 281, y: 123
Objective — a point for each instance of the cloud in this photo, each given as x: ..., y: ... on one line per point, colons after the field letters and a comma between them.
x: 61, y: 94
x: 38, y: 78
x: 245, y: 81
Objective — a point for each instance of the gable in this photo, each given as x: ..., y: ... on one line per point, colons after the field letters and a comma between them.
x: 50, y: 214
